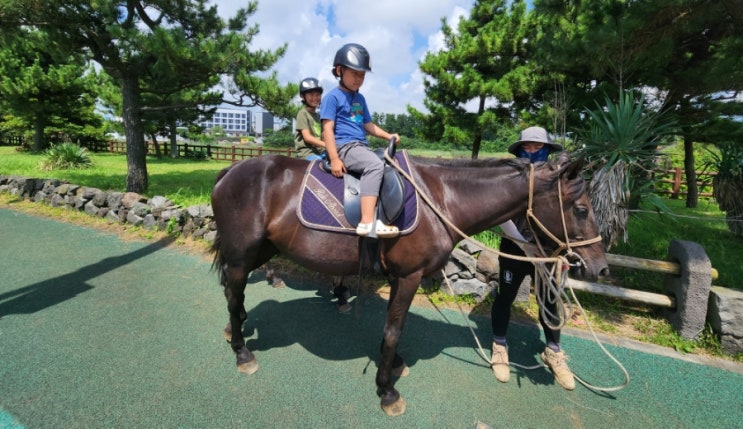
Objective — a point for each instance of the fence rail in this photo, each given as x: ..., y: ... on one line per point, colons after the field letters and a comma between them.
x: 231, y: 153
x: 673, y: 182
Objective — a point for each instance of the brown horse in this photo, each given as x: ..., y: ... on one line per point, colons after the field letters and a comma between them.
x: 255, y: 209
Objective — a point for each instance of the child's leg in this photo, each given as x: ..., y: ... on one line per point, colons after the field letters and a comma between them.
x: 368, y: 204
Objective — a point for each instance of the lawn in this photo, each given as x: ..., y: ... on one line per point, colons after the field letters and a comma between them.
x: 184, y: 181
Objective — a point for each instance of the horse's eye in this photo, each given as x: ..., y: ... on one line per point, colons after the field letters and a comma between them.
x: 581, y: 212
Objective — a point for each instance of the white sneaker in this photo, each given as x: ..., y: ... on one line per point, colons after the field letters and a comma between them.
x: 382, y: 230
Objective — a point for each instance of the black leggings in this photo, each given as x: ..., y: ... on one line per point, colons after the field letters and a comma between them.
x: 512, y: 273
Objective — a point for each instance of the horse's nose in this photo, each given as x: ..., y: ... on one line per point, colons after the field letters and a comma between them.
x: 604, y: 272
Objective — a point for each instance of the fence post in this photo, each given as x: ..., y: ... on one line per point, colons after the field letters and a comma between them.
x: 676, y: 183
x: 690, y: 288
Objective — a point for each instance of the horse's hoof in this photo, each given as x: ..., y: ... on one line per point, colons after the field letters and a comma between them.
x: 395, y: 409
x: 249, y: 367
x: 401, y: 371
x: 227, y: 334
x: 344, y: 308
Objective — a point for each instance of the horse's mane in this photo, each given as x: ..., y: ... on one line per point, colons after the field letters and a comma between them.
x: 577, y: 187
x: 473, y: 163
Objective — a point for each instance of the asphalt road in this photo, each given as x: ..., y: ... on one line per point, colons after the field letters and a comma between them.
x: 101, y: 332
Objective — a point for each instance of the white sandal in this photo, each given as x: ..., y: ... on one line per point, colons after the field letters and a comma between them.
x: 382, y: 230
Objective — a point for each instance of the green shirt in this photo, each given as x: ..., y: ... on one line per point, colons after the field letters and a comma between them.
x: 307, y: 120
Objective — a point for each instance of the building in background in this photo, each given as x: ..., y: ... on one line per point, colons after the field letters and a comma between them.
x: 262, y: 121
x: 239, y: 122
x: 233, y: 121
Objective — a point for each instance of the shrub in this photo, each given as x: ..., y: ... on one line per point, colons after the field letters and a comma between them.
x: 66, y: 156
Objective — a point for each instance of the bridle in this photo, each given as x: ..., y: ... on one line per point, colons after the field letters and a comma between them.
x: 565, y: 245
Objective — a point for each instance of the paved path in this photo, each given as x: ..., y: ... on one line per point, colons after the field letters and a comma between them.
x: 97, y: 332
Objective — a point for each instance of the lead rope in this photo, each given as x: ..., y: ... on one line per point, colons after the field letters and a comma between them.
x: 556, y: 280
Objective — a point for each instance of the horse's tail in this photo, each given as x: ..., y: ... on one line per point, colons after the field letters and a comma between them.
x: 216, y: 247
x: 218, y: 262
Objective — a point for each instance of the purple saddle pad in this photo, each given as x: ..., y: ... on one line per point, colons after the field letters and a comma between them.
x: 321, y: 201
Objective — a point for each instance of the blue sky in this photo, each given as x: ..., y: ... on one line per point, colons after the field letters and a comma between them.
x: 397, y: 35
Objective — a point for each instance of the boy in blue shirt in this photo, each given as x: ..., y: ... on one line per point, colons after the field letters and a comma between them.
x: 345, y: 123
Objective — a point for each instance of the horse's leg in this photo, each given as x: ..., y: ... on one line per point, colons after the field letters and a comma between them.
x: 236, y: 278
x: 342, y: 294
x: 401, y: 296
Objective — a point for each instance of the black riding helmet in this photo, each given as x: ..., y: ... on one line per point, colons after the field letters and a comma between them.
x: 353, y: 56
x: 309, y: 84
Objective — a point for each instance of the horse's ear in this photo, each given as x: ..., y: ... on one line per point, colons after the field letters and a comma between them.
x: 573, y: 168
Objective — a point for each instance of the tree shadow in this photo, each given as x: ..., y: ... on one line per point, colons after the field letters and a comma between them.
x: 50, y: 292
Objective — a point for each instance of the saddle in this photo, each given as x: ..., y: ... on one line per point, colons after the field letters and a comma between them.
x: 391, y: 194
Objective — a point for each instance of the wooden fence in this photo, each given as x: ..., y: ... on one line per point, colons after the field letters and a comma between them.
x: 230, y: 153
x: 673, y: 182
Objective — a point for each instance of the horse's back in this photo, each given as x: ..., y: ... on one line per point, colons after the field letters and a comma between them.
x: 257, y: 184
x: 261, y: 171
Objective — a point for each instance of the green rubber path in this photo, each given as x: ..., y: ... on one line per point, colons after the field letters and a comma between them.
x: 98, y: 332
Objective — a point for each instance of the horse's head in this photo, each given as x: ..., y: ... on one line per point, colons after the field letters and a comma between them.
x: 562, y: 218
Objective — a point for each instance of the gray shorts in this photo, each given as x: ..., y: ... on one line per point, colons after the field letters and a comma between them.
x: 358, y: 158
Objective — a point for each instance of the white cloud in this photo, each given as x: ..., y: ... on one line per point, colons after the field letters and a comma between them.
x: 397, y: 35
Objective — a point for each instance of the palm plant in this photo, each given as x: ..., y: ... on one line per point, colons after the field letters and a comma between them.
x: 727, y: 185
x: 621, y: 145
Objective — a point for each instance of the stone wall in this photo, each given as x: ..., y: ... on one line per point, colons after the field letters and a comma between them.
x: 156, y: 213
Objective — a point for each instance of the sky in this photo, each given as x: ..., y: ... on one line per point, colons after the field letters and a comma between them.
x: 396, y: 33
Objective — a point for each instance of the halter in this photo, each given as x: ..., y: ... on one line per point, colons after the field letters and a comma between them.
x: 561, y: 245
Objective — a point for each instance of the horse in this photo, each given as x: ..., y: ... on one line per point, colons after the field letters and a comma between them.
x: 255, y: 210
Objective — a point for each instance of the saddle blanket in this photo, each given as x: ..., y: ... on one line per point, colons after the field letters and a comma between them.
x: 321, y: 201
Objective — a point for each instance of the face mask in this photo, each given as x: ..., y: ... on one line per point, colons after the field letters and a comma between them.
x: 538, y: 156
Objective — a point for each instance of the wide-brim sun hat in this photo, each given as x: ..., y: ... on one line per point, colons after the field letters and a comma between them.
x: 537, y: 135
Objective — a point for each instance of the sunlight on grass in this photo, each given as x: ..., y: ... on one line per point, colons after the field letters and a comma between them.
x: 185, y: 182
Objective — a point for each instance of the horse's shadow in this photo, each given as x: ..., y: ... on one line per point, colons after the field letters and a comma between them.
x: 315, y: 324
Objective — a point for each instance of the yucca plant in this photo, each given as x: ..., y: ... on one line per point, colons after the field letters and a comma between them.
x: 66, y: 156
x: 727, y: 185
x: 621, y: 145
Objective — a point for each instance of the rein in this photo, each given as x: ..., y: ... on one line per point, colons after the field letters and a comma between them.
x: 554, y: 279
x: 562, y: 245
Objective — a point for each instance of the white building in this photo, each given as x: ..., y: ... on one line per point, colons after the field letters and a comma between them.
x: 233, y: 121
x: 239, y: 122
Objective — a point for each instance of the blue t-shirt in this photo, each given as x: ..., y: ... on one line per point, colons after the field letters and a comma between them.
x: 349, y: 112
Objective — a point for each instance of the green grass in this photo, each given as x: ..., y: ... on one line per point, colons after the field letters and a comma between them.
x: 184, y: 181
x: 650, y: 234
